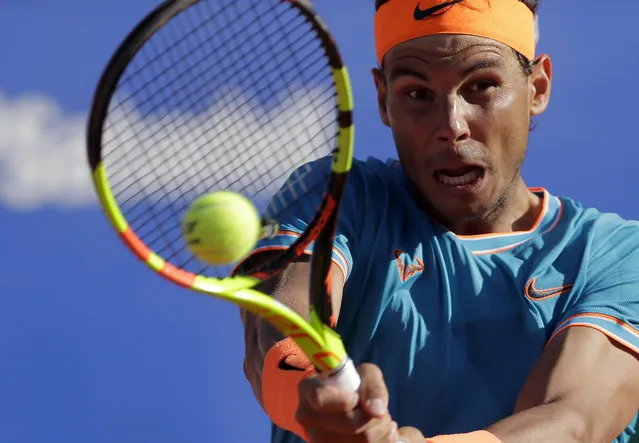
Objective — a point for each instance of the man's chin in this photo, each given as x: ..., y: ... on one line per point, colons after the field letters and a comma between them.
x: 452, y: 212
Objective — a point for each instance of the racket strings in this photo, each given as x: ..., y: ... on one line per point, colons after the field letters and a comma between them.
x: 231, y: 169
x: 228, y: 95
x: 221, y: 68
x: 160, y: 233
x: 229, y: 125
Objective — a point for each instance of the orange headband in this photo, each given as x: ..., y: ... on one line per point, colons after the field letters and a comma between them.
x: 506, y: 21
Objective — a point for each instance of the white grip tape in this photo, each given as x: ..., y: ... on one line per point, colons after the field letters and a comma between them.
x: 346, y: 377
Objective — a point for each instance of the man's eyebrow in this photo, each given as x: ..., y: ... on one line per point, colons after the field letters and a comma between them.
x: 405, y: 71
x: 486, y: 63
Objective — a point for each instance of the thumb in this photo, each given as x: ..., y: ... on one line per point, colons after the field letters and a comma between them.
x: 409, y: 434
x: 373, y: 393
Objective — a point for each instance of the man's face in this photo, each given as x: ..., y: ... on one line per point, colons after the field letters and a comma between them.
x: 459, y: 107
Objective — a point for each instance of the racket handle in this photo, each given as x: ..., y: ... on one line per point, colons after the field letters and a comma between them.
x: 345, y: 376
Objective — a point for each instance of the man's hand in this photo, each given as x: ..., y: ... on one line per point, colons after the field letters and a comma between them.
x: 331, y: 415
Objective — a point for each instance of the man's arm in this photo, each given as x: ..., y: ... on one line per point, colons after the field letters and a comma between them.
x: 584, y: 388
x: 290, y: 288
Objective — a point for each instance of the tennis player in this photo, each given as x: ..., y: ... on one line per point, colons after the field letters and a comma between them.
x: 477, y: 309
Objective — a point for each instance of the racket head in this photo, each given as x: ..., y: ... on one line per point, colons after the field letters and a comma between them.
x: 181, y: 110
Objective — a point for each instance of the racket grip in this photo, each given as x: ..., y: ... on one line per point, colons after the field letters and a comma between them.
x: 345, y: 376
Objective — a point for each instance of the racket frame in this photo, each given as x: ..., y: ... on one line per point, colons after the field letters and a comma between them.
x: 316, y: 338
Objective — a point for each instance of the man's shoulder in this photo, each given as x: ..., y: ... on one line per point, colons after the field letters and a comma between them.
x: 374, y: 167
x: 373, y: 182
x: 600, y: 228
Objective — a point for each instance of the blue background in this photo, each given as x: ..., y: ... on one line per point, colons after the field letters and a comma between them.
x: 95, y: 348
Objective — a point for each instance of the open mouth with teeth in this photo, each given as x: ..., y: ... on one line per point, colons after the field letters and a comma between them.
x: 467, y: 176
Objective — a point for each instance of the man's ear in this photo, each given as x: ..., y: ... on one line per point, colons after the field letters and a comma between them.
x: 540, y: 85
x: 380, y: 85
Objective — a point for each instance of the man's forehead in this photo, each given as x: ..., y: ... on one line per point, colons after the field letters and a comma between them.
x: 446, y: 48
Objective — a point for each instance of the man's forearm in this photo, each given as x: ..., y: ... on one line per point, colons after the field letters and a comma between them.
x: 259, y: 336
x: 548, y: 423
x: 290, y: 287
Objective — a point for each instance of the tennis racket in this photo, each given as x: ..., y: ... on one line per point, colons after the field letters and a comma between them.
x: 240, y: 95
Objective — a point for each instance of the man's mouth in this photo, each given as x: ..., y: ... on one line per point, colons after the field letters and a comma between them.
x: 460, y: 177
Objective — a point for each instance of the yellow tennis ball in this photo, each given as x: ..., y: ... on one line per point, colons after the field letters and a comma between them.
x: 221, y: 227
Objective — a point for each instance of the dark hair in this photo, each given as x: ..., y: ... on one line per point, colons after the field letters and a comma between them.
x: 526, y: 64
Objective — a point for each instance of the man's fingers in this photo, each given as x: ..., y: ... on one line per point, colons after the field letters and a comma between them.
x: 319, y: 397
x: 377, y: 430
x: 331, y: 414
x: 373, y: 392
x: 346, y: 423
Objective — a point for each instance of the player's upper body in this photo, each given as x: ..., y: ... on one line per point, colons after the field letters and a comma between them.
x: 485, y: 304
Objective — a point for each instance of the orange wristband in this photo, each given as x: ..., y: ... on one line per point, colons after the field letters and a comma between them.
x: 474, y: 437
x: 285, y: 366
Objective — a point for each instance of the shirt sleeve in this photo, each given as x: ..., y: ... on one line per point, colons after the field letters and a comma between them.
x: 609, y: 301
x: 295, y: 205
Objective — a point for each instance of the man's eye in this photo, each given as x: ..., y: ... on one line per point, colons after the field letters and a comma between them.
x: 419, y: 94
x: 482, y: 86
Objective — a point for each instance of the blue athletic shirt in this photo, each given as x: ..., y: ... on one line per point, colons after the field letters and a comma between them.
x: 456, y: 322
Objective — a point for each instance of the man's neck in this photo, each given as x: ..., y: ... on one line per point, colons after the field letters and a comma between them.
x: 517, y: 210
